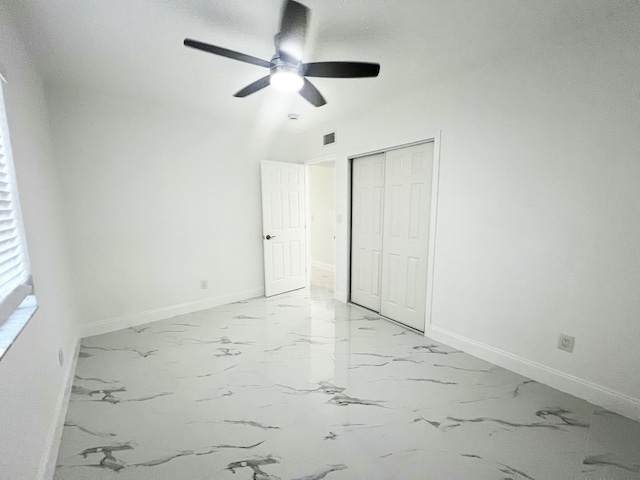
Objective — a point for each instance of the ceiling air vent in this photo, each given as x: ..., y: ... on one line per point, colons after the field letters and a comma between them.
x: 329, y: 138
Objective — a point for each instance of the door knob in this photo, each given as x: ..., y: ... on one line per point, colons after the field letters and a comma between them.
x: 269, y: 237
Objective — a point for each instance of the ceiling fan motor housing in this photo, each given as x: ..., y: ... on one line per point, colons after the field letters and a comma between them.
x: 286, y: 75
x: 279, y: 65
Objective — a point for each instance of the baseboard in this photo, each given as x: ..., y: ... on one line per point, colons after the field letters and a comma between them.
x: 598, y: 395
x: 118, y: 323
x: 48, y: 464
x: 340, y: 296
x: 323, y: 266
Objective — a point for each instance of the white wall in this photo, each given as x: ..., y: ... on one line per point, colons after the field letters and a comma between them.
x: 322, y: 217
x: 538, y: 220
x: 158, y: 199
x: 31, y: 381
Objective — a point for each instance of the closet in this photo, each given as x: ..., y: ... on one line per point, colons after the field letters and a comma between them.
x: 391, y: 211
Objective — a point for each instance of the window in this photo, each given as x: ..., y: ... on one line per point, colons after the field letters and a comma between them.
x: 17, y: 303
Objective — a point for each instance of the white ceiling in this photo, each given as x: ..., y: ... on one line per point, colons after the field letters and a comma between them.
x: 134, y: 47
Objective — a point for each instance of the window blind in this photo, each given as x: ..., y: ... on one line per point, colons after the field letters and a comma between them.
x: 14, y: 264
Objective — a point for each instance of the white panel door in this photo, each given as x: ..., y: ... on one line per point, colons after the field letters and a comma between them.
x: 283, y: 225
x: 366, y: 230
x: 407, y: 211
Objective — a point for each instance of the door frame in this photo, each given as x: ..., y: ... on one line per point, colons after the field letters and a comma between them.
x: 436, y: 139
x: 307, y: 175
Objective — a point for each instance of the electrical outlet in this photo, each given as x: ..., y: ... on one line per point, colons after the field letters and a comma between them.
x: 60, y: 357
x: 204, y: 284
x: 565, y: 342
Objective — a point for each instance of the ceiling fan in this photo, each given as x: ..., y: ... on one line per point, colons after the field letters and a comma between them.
x: 287, y: 72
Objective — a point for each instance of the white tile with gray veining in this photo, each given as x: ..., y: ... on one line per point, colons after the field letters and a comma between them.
x: 299, y: 387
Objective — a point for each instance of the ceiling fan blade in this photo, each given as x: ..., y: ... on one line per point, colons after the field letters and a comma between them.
x: 295, y: 18
x: 224, y: 52
x: 341, y: 69
x: 311, y: 94
x: 253, y: 87
x: 291, y: 39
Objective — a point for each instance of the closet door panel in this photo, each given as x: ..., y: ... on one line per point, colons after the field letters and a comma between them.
x: 407, y: 211
x: 367, y: 230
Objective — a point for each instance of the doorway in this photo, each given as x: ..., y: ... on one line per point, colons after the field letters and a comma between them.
x: 321, y: 234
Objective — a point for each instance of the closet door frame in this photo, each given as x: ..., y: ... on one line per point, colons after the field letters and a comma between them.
x: 433, y: 224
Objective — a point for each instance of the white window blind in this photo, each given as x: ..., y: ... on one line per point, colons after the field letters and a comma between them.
x: 14, y: 260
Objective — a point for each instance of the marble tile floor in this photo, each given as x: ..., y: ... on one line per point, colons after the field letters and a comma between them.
x: 300, y: 387
x: 322, y: 280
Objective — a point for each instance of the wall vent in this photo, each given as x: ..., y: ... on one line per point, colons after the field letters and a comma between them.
x: 329, y: 138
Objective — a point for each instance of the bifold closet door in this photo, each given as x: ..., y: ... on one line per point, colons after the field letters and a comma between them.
x: 366, y: 230
x: 407, y: 213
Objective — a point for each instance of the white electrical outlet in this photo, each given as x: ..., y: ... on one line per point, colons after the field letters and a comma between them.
x: 204, y: 284
x: 565, y: 342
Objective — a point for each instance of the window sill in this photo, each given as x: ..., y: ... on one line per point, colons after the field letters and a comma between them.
x: 11, y: 329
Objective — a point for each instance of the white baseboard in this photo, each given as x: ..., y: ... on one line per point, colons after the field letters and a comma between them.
x: 340, y: 296
x: 323, y: 266
x: 593, y: 393
x: 48, y: 462
x: 118, y: 323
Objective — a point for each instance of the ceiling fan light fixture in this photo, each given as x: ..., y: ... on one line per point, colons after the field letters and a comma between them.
x: 287, y: 71
x: 287, y: 79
